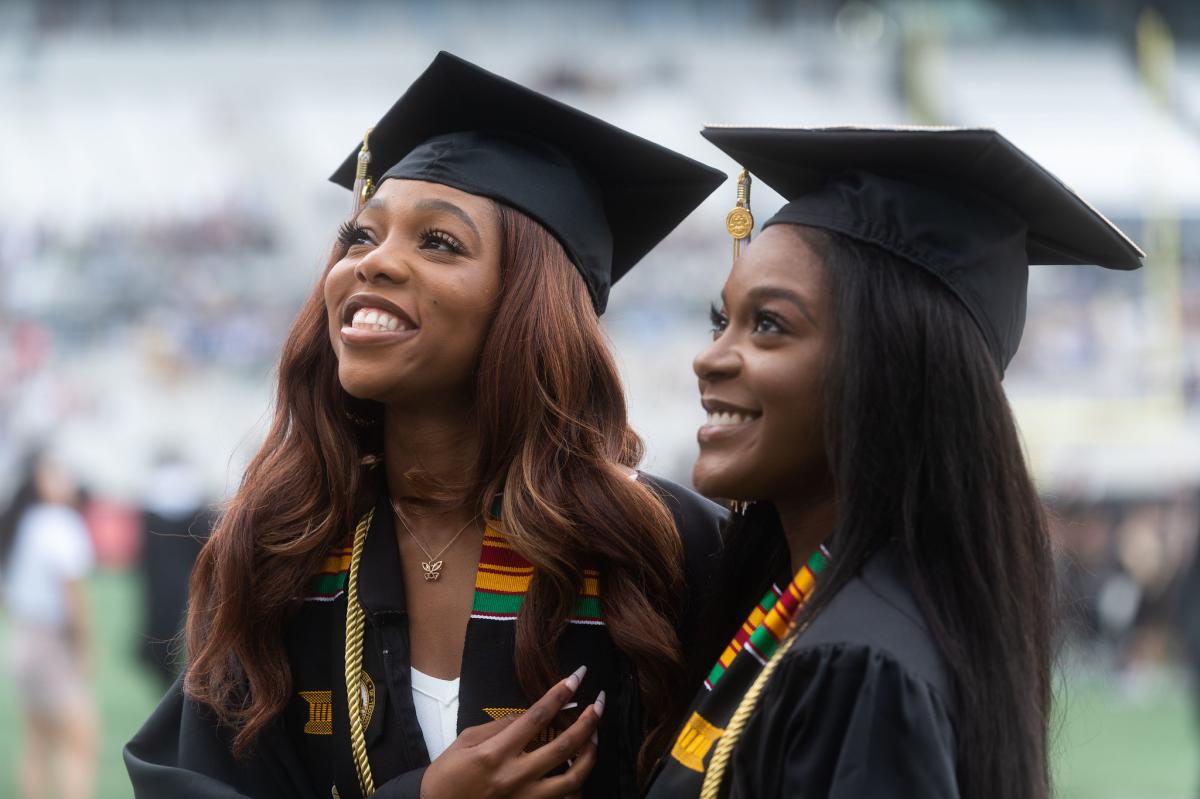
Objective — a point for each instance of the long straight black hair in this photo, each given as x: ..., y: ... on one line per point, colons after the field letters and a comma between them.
x: 924, y: 452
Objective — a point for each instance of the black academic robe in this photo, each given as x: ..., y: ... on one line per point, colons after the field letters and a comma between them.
x: 860, y: 706
x: 181, y: 753
x: 170, y: 544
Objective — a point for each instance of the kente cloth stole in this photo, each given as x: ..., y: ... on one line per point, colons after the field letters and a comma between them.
x: 329, y: 582
x: 770, y: 619
x: 737, y: 667
x: 503, y: 579
x: 489, y: 687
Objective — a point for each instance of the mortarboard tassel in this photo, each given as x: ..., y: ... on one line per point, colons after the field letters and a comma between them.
x: 364, y: 187
x: 739, y: 222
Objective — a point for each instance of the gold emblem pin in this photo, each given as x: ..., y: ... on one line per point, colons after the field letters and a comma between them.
x: 366, y: 697
x: 739, y: 221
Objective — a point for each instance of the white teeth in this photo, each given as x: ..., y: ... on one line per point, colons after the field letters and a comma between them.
x: 376, y: 320
x: 721, y: 419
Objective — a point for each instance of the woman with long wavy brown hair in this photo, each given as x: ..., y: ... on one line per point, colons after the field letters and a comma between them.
x: 445, y: 517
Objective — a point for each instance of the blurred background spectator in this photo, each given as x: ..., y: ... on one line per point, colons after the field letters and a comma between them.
x: 45, y: 556
x: 164, y: 210
x: 176, y: 519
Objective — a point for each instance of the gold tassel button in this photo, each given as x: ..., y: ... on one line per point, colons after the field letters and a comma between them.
x: 739, y: 221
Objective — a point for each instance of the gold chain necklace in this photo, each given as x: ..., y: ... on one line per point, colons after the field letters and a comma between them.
x: 433, y: 566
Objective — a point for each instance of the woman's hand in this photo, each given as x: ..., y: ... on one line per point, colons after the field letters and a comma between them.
x: 489, y: 761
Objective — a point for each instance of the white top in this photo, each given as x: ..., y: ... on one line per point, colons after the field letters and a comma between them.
x: 51, y: 548
x: 436, y: 702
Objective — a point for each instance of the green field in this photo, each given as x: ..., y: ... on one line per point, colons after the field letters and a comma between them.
x: 1141, y: 744
x: 1105, y: 746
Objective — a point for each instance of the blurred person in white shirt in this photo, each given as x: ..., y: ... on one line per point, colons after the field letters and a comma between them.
x: 45, y: 556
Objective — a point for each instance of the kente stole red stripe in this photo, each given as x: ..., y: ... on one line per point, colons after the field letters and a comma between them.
x: 768, y: 622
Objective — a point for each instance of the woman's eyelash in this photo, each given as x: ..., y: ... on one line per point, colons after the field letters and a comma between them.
x: 717, y: 317
x: 351, y: 233
x: 761, y: 317
x: 443, y: 238
x: 764, y: 321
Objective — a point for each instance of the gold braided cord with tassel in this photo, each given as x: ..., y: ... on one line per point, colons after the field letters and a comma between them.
x: 355, y: 620
x: 739, y: 221
x: 714, y: 775
x: 364, y: 187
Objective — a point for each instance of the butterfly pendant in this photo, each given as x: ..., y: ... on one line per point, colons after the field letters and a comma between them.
x: 432, y: 570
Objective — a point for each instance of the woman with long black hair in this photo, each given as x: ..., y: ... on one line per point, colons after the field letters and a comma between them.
x: 445, y: 519
x: 892, y: 567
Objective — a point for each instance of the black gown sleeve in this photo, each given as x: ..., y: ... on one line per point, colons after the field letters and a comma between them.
x: 404, y: 786
x: 843, y: 721
x: 699, y: 522
x: 181, y: 752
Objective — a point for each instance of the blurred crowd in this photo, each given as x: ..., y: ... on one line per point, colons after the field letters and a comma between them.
x: 1130, y: 580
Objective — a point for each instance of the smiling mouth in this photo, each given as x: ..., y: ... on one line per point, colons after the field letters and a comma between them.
x: 728, y: 419
x: 724, y: 421
x: 371, y: 319
x: 377, y: 320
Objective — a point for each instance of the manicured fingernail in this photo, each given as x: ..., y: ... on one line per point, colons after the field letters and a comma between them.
x: 599, y: 704
x: 576, y: 678
x: 570, y: 705
x: 595, y: 738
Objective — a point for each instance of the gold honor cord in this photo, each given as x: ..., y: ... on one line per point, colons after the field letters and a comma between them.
x: 354, y: 655
x: 714, y: 775
x: 740, y: 222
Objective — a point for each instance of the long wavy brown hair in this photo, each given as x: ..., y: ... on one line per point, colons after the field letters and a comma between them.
x: 552, y: 423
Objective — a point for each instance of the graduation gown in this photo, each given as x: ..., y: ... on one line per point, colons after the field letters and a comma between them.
x: 859, y: 706
x: 305, y: 752
x: 170, y: 544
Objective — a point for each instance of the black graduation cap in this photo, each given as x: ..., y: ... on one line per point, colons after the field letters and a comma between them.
x: 607, y: 195
x: 963, y: 203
